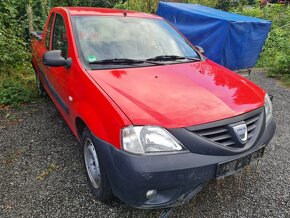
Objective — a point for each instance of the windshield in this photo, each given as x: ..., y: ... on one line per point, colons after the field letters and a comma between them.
x: 102, y: 40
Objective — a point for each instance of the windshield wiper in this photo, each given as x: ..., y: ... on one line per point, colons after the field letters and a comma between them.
x: 117, y: 61
x: 121, y: 61
x: 172, y: 58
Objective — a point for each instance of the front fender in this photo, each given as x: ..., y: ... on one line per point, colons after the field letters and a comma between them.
x: 92, y: 120
x: 103, y: 120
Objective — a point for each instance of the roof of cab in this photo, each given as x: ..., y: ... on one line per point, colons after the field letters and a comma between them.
x: 91, y: 11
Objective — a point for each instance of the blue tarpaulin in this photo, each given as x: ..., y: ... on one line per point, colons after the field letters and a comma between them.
x: 232, y: 40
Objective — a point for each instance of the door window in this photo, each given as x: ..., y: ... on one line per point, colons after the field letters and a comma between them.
x: 59, y: 38
x: 47, y: 37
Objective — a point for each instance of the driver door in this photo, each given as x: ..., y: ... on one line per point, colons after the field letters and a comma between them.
x: 59, y: 77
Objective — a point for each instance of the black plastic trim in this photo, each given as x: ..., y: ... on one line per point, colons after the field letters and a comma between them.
x: 201, y: 145
x: 177, y: 178
x: 226, y: 121
x: 54, y: 92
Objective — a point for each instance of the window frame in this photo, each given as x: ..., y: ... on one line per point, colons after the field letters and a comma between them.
x: 49, y: 31
x: 86, y: 65
x: 53, y: 30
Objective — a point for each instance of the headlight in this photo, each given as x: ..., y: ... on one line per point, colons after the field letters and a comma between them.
x: 268, y: 108
x: 149, y: 139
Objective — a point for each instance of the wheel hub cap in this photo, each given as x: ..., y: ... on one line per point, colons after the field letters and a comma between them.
x: 92, y: 163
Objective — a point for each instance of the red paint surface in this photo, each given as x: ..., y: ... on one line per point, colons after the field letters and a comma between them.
x: 180, y: 95
x: 171, y: 96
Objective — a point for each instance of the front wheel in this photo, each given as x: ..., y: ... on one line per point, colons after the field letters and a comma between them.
x: 96, y: 175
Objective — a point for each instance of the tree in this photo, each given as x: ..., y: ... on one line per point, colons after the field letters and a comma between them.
x: 13, y: 48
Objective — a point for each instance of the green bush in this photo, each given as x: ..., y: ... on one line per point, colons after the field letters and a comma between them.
x: 14, y: 38
x: 13, y: 47
x: 276, y: 52
x: 14, y: 92
x: 148, y: 6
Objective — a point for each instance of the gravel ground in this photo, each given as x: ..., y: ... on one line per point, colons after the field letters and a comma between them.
x: 42, y: 174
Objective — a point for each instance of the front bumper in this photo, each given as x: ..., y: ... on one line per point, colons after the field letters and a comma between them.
x: 176, y: 177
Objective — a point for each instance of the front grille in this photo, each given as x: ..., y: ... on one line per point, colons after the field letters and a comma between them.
x: 221, y: 132
x: 217, y: 134
x: 252, y: 124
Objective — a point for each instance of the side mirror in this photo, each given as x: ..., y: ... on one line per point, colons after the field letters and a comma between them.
x: 54, y: 59
x: 200, y: 49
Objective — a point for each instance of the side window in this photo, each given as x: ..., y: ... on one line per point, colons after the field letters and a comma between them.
x: 47, y: 37
x: 59, y: 38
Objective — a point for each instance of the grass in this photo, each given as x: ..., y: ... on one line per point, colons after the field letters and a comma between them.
x: 45, y: 173
x: 285, y: 82
x: 13, y: 157
x: 18, y: 87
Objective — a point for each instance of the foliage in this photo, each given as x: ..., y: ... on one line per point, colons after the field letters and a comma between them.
x: 209, y: 3
x: 88, y: 3
x: 14, y: 92
x: 17, y: 18
x: 148, y: 6
x: 13, y: 48
x: 276, y: 52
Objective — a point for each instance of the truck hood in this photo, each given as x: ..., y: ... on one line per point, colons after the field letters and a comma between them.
x: 179, y: 95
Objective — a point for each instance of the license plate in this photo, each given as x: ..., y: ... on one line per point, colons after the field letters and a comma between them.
x: 233, y: 166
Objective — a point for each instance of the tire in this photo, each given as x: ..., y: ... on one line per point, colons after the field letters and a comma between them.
x: 41, y: 91
x: 95, y: 171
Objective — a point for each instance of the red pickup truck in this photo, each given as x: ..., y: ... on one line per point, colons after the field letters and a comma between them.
x: 157, y: 120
